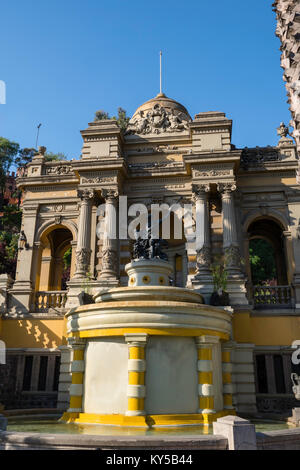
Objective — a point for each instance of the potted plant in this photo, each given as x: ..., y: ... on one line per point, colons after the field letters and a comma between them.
x: 219, y: 297
x: 86, y: 295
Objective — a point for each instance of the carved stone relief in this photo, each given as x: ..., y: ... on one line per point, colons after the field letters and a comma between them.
x: 157, y: 121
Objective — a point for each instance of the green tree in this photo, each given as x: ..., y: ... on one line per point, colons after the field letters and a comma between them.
x: 262, y: 261
x: 50, y: 156
x: 101, y: 115
x: 122, y: 118
x: 8, y: 152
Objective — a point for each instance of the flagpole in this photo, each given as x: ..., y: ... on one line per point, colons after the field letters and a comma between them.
x: 160, y: 81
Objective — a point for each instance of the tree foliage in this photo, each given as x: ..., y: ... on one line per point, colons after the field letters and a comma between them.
x: 10, y: 224
x: 50, y: 156
x: 262, y: 261
x: 8, y: 152
x: 12, y: 156
x: 122, y: 118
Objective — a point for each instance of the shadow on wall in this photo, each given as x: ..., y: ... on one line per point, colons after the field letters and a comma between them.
x: 34, y: 333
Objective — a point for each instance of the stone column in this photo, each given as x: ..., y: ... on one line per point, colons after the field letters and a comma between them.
x: 206, y: 390
x: 45, y: 279
x: 136, y: 390
x: 77, y: 370
x: 83, y: 251
x: 202, y: 280
x: 227, y: 368
x: 110, y: 246
x: 73, y: 258
x: 232, y: 257
x: 243, y: 367
x: 65, y: 378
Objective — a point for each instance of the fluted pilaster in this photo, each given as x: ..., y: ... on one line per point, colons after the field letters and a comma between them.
x: 230, y: 239
x: 110, y: 246
x: 203, y: 248
x: 83, y: 251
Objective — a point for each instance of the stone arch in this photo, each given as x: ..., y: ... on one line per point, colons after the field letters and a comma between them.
x: 271, y: 214
x: 52, y: 224
x: 53, y: 239
x: 272, y: 230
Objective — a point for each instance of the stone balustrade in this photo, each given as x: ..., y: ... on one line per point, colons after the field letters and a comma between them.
x: 272, y: 296
x: 43, y: 301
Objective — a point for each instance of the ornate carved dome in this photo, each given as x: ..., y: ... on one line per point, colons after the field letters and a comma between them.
x: 164, y: 102
x: 160, y: 114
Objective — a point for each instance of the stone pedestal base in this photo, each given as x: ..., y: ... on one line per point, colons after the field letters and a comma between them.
x: 78, y: 286
x: 204, y: 286
x: 296, y: 416
x: 239, y: 432
x: 145, y: 420
x: 20, y: 300
x: 237, y: 291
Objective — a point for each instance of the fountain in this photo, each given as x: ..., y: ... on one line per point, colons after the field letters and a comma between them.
x: 149, y: 354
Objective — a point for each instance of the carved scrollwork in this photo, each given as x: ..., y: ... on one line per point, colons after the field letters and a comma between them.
x: 82, y: 259
x: 109, y: 260
x: 97, y: 180
x: 209, y: 173
x: 232, y: 257
x: 203, y: 258
x: 59, y: 170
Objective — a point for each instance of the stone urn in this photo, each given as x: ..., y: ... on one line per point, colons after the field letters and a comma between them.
x: 219, y: 298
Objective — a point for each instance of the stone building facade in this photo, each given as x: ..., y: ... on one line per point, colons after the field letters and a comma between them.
x: 164, y: 156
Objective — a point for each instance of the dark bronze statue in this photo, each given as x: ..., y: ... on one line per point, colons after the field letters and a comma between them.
x: 149, y: 248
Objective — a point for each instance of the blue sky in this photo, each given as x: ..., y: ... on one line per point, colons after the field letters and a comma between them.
x: 63, y: 60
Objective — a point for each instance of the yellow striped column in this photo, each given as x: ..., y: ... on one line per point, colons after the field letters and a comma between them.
x: 227, y: 375
x: 205, y: 346
x: 77, y: 370
x: 136, y: 390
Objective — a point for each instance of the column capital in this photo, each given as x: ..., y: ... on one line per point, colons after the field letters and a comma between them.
x: 226, y: 188
x: 86, y: 194
x: 200, y: 190
x: 110, y: 195
x: 136, y: 339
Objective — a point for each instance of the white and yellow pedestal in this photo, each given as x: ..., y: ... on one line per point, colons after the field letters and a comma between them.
x: 152, y: 354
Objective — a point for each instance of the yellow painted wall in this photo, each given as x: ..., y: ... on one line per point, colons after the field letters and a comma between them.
x: 33, y: 333
x: 265, y: 331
